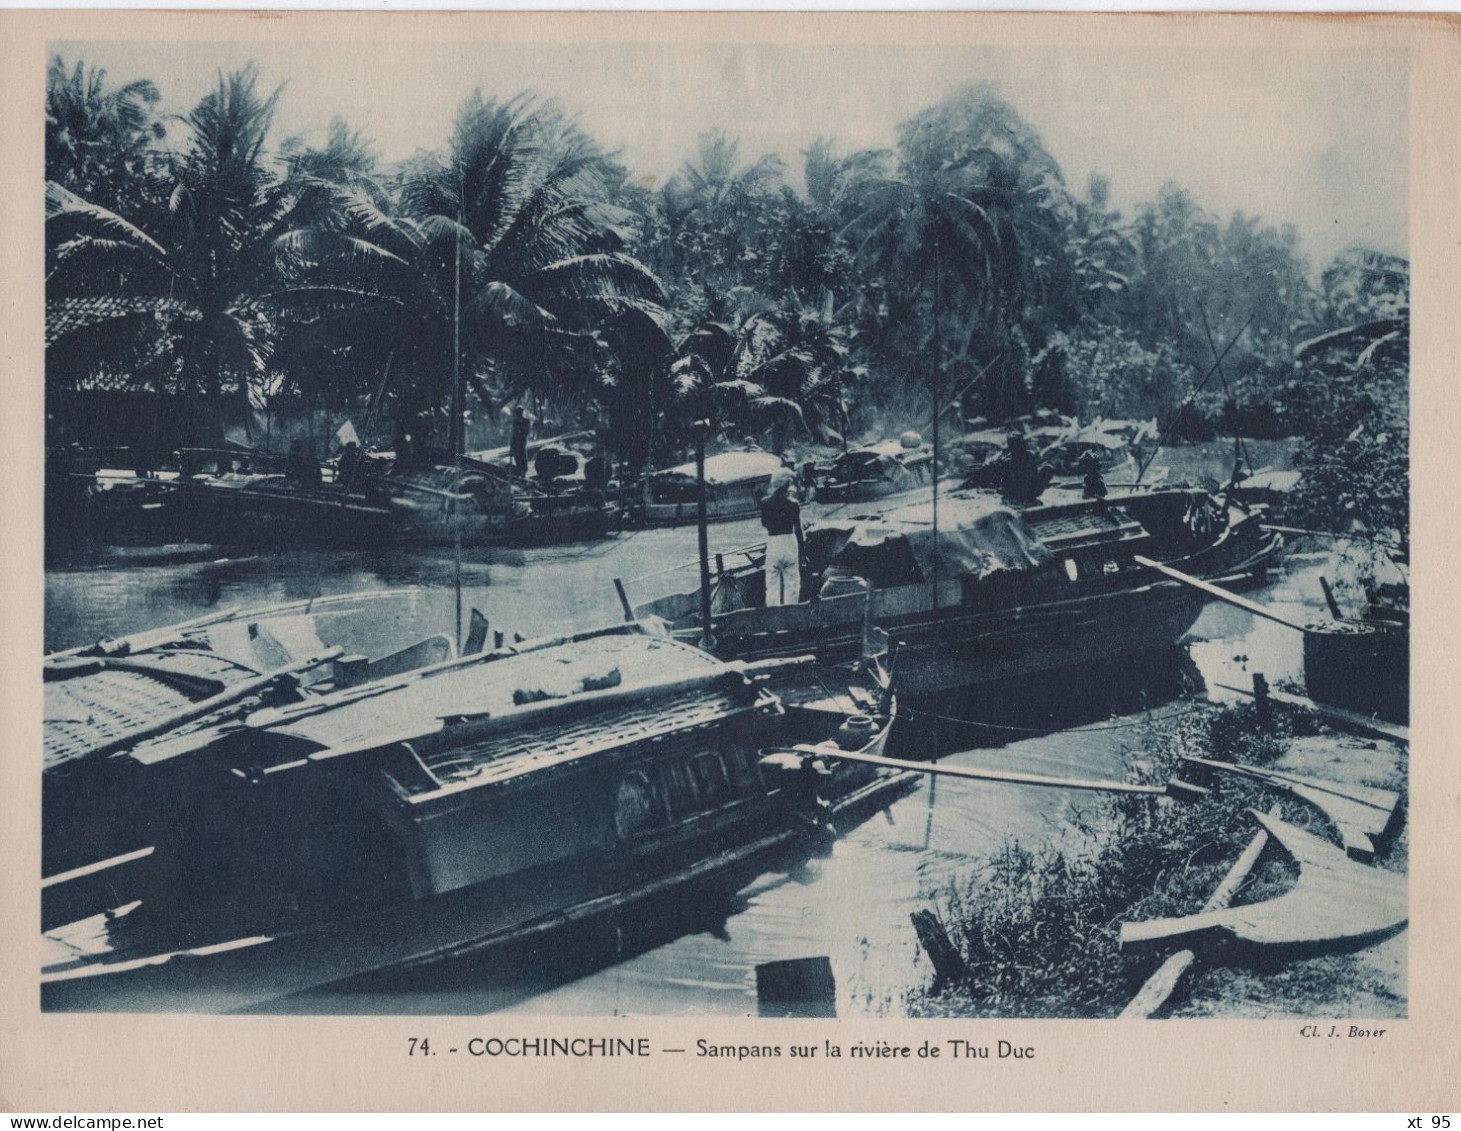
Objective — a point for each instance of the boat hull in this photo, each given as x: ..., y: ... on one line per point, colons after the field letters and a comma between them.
x: 1096, y: 606
x: 957, y: 648
x: 281, y: 516
x: 726, y: 507
x: 253, y: 971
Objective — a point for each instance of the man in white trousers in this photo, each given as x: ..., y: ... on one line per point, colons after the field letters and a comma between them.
x: 782, y: 518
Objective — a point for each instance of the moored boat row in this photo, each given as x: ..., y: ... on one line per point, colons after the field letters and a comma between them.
x: 244, y: 808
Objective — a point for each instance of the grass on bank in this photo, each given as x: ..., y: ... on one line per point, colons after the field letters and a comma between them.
x: 1037, y: 926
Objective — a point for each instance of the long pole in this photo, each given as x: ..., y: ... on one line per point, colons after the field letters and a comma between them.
x: 1240, y: 451
x: 937, y: 412
x: 457, y: 407
x: 703, y: 530
x: 1186, y: 403
x: 1224, y: 595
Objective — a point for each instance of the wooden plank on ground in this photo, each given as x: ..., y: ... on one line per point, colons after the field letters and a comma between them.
x: 1337, y: 904
x: 1163, y: 982
x: 1361, y: 814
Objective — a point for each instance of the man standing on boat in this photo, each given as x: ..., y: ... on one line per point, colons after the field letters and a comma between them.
x: 519, y: 443
x: 782, y: 517
x: 1093, y: 483
x: 1022, y: 476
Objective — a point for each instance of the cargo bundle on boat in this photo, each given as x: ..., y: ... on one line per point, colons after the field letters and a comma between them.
x: 979, y: 447
x: 1111, y: 454
x: 735, y: 484
x: 996, y: 594
x: 465, y: 806
x: 878, y: 470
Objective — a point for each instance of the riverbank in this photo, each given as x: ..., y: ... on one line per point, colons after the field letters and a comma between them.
x: 1035, y: 926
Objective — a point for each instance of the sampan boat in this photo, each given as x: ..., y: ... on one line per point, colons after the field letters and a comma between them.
x: 735, y: 484
x: 462, y: 808
x: 1019, y: 592
x: 877, y: 471
x: 112, y: 710
x: 387, y: 504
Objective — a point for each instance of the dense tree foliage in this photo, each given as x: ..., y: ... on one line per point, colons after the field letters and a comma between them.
x: 805, y: 306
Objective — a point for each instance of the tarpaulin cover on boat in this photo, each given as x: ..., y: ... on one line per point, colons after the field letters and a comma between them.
x: 890, y: 449
x: 729, y: 467
x: 977, y: 537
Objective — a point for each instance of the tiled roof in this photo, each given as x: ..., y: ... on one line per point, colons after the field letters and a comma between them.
x: 68, y: 315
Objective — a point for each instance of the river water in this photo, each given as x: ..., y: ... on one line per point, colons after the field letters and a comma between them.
x: 852, y: 906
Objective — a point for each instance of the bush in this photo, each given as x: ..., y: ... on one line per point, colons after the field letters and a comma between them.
x: 1038, y: 927
x: 1105, y: 371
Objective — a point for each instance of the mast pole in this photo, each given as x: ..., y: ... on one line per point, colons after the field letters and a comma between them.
x: 457, y: 406
x: 703, y: 530
x: 1240, y: 451
x: 937, y: 412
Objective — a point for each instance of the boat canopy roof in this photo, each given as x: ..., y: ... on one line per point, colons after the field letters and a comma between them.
x: 728, y: 467
x: 995, y: 437
x: 977, y: 537
x: 1096, y: 437
x: 502, y: 687
x: 885, y: 449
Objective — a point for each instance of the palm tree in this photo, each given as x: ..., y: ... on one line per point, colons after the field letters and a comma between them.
x: 187, y: 295
x: 965, y: 227
x: 715, y: 215
x: 1102, y: 252
x: 501, y: 257
x: 100, y: 139
x: 832, y: 179
x: 775, y: 368
x: 968, y: 227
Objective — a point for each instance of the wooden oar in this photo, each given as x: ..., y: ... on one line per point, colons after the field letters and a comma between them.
x: 239, y: 691
x: 1383, y: 543
x: 271, y: 716
x: 152, y: 637
x: 1174, y: 788
x: 1221, y: 594
x: 157, y: 637
x: 1160, y: 986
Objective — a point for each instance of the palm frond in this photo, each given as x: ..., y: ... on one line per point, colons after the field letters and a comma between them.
x: 509, y: 306
x: 591, y: 277
x: 65, y: 206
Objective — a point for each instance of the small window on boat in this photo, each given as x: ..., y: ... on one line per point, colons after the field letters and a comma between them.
x: 680, y: 791
x: 710, y: 777
x: 634, y: 807
x: 1072, y: 571
x: 737, y: 759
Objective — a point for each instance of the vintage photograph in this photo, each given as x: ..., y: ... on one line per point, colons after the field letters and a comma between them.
x: 725, y: 529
